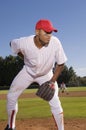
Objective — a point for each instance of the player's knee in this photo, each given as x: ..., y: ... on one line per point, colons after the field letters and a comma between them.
x: 11, y: 97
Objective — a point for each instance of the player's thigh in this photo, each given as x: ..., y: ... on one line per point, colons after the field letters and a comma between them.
x: 44, y: 78
x: 21, y: 81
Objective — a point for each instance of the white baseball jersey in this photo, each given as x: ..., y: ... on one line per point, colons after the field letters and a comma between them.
x: 37, y: 61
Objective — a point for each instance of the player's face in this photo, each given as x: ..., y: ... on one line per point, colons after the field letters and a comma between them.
x: 44, y: 37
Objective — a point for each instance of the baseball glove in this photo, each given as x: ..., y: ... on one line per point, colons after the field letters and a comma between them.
x: 46, y: 91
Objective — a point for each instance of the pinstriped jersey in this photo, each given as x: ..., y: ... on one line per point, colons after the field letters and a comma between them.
x: 39, y: 61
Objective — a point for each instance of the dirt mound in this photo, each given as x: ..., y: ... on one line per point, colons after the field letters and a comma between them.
x: 47, y: 124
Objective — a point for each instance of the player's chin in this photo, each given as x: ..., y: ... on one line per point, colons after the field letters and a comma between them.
x: 48, y: 40
x: 46, y: 44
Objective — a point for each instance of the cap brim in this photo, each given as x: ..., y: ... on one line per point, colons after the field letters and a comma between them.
x: 51, y: 30
x: 55, y: 30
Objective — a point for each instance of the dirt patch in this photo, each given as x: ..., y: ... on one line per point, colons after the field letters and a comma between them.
x: 48, y: 123
x: 73, y: 94
x: 68, y: 94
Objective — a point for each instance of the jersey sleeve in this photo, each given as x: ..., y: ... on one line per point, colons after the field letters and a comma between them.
x: 15, y: 46
x: 18, y: 45
x: 60, y: 56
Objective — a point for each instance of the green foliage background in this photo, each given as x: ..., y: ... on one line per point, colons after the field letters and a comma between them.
x: 10, y: 66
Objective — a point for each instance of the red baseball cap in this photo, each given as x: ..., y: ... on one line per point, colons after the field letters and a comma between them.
x: 46, y: 25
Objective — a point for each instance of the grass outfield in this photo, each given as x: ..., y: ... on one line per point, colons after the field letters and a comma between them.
x: 76, y: 88
x: 74, y: 107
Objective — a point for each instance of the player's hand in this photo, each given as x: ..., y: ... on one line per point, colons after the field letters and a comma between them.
x: 46, y: 90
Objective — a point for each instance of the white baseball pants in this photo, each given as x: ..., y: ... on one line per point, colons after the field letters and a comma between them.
x: 19, y: 84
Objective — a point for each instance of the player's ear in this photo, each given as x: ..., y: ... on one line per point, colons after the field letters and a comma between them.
x: 10, y: 43
x: 37, y: 32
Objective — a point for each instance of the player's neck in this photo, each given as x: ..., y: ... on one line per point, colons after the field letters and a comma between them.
x: 38, y: 42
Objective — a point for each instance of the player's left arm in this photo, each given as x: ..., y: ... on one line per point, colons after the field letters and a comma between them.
x: 57, y: 72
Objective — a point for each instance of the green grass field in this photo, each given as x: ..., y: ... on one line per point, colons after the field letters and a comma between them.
x: 74, y: 107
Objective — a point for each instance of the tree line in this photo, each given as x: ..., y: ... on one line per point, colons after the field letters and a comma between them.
x: 11, y: 65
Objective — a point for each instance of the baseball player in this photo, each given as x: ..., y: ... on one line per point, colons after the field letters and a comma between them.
x: 39, y: 51
x: 63, y: 88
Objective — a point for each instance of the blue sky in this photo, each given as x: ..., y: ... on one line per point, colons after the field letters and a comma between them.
x: 18, y: 18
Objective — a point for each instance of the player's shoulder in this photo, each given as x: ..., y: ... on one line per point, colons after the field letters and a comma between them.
x: 27, y: 37
x: 24, y: 38
x: 55, y: 41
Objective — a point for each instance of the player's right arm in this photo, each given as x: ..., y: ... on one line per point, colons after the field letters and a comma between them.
x: 20, y: 55
x: 16, y: 49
